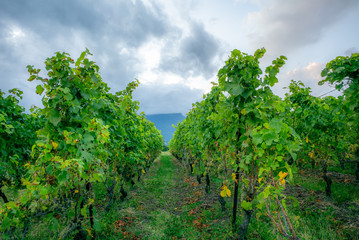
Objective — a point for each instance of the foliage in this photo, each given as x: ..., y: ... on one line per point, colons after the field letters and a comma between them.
x: 242, y: 118
x: 321, y: 124
x: 89, y: 136
x: 17, y: 135
x: 343, y: 72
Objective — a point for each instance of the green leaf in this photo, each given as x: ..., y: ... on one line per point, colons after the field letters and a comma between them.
x: 86, y: 155
x: 243, y: 166
x: 97, y: 177
x: 44, y: 191
x: 88, y: 138
x: 234, y: 89
x: 84, y: 211
x: 289, y: 170
x: 11, y: 204
x: 261, y: 170
x: 66, y: 90
x: 63, y: 176
x: 5, y: 224
x: 82, y: 56
x: 260, y: 205
x: 247, y: 92
x: 54, y: 117
x: 32, y: 78
x: 294, y: 155
x: 94, y: 78
x: 246, y: 205
x: 269, y: 137
x: 276, y: 124
x: 39, y: 89
x: 324, y: 73
x: 24, y: 198
x: 257, y: 138
x: 68, y: 97
x: 267, y: 191
x: 260, y: 152
x: 339, y: 69
x: 86, y: 95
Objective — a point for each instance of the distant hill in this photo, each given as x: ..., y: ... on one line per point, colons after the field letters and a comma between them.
x: 164, y: 123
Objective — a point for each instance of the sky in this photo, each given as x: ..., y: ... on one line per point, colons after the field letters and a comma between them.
x: 174, y: 48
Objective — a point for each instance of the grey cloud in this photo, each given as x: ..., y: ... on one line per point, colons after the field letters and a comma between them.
x: 163, y: 98
x: 105, y: 28
x: 351, y: 50
x: 50, y: 19
x: 49, y: 26
x: 197, y: 54
x: 117, y: 72
x: 288, y: 25
x: 123, y: 20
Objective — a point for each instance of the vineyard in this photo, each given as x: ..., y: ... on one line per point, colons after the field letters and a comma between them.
x: 254, y: 143
x: 243, y: 164
x: 54, y: 159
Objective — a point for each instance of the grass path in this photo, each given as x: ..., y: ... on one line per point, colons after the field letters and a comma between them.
x: 151, y: 203
x: 169, y: 205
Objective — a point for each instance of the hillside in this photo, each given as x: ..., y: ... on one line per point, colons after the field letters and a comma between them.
x: 164, y: 123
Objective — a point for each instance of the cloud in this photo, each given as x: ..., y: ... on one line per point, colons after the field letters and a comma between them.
x: 113, y: 31
x: 129, y: 21
x: 288, y: 25
x: 193, y: 55
x: 351, y: 50
x: 71, y: 26
x: 166, y: 98
x: 128, y: 39
x: 310, y: 75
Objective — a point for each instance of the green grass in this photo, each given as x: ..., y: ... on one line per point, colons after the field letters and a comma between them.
x: 148, y: 202
x: 341, y: 192
x: 323, y: 217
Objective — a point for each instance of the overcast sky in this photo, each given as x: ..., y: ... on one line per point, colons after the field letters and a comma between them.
x: 175, y: 48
